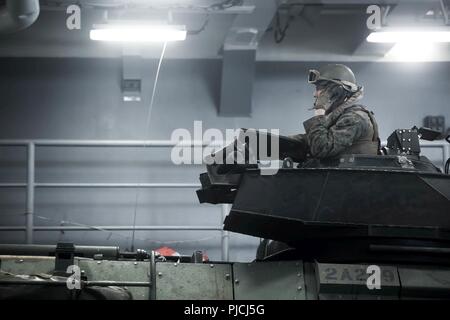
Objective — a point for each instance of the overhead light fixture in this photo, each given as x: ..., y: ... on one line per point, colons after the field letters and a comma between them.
x: 138, y: 33
x: 412, y: 52
x: 409, y: 36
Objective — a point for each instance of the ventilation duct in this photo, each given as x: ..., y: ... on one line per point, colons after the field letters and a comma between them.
x: 16, y: 15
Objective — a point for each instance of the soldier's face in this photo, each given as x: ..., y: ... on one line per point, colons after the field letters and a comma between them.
x: 320, y: 88
x: 322, y: 97
x: 317, y: 92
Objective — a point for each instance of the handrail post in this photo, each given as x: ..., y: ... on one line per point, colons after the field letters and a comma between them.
x: 446, y: 152
x: 225, y: 234
x: 30, y: 192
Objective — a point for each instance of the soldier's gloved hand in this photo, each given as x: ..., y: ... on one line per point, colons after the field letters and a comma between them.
x: 319, y: 112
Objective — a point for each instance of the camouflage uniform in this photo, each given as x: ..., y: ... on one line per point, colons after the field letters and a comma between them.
x: 346, y: 127
x: 346, y: 130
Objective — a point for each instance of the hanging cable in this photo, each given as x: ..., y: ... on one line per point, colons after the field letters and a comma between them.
x: 147, y: 131
x: 118, y: 234
x: 280, y: 30
x: 201, y: 29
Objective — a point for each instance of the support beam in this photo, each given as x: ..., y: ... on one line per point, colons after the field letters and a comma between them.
x: 131, y: 83
x: 239, y: 55
x: 225, y: 234
x: 238, y: 70
x: 30, y: 193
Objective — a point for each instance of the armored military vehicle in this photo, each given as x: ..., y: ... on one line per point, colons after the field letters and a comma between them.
x: 338, y: 216
x: 354, y: 227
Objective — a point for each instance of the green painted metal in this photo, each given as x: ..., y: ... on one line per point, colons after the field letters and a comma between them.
x: 190, y: 281
x: 27, y: 265
x: 280, y: 280
x: 424, y: 282
x: 310, y: 280
x: 262, y: 280
x: 133, y: 271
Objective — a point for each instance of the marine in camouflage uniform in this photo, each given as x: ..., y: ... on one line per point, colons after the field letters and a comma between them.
x: 340, y: 126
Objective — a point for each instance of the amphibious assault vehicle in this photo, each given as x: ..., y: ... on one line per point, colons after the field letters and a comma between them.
x: 354, y: 227
x: 390, y: 210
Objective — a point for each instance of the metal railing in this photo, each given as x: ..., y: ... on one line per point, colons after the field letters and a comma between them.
x: 31, y: 185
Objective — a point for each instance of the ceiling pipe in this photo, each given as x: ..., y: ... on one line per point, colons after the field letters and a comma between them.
x: 18, y: 15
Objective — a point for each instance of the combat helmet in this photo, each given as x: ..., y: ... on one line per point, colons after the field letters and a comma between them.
x: 337, y: 73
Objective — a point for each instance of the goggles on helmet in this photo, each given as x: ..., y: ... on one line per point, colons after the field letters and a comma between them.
x: 314, y: 77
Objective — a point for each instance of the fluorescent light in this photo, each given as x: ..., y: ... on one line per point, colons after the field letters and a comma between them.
x: 412, y: 52
x: 136, y: 33
x: 409, y: 36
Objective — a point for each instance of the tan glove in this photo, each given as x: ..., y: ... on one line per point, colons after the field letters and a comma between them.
x: 319, y: 112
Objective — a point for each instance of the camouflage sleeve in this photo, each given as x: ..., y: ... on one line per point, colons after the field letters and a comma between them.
x: 299, y: 137
x: 329, y: 141
x: 301, y: 150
